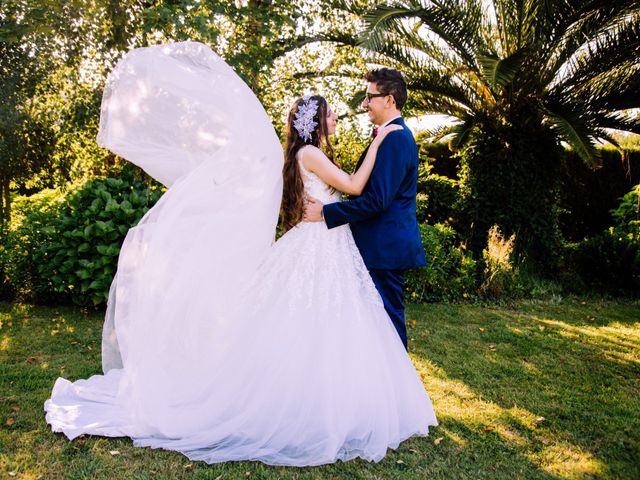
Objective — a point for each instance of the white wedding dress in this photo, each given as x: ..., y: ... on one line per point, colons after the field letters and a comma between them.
x: 219, y: 343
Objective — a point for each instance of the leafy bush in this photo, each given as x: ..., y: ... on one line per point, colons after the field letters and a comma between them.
x: 627, y: 216
x: 606, y: 263
x: 450, y: 273
x: 437, y: 200
x: 30, y: 228
x: 438, y: 156
x: 82, y: 258
x: 589, y: 196
x: 507, y: 278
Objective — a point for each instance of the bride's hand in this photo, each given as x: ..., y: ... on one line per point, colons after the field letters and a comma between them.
x: 384, y: 131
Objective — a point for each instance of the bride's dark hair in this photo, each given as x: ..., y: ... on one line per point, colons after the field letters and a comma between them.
x: 293, y: 194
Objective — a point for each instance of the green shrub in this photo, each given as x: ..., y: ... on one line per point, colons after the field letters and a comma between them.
x: 438, y: 156
x: 437, y: 199
x: 505, y: 278
x: 450, y: 273
x: 588, y: 196
x: 89, y: 231
x: 30, y: 228
x: 605, y: 263
x: 509, y: 178
x: 627, y: 216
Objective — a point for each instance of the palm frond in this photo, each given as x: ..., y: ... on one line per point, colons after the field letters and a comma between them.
x: 575, y: 131
x: 610, y: 48
x: 461, y: 132
x: 455, y: 22
x: 500, y: 72
x: 383, y: 20
x: 421, y: 102
x: 616, y: 121
x: 434, y: 83
x: 597, y: 40
x: 603, y: 135
x: 427, y: 75
x: 516, y: 24
x: 438, y: 133
x: 614, y: 90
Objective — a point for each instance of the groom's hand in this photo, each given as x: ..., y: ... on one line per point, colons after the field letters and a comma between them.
x: 312, y: 210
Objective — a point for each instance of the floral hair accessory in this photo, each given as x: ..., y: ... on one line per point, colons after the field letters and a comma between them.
x: 303, y: 120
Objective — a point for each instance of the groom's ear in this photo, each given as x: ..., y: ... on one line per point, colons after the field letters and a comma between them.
x: 390, y: 102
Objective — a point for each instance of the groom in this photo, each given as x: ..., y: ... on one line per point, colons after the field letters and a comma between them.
x: 383, y: 218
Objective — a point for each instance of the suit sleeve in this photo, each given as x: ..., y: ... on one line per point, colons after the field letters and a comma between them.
x: 388, y: 173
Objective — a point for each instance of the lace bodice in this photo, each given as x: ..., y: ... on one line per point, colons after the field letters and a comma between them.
x: 314, y: 185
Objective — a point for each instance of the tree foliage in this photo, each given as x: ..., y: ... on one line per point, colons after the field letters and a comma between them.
x: 54, y: 58
x: 534, y: 71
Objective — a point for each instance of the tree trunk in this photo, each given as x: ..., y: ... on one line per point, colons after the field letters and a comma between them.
x: 254, y: 40
x: 6, y: 201
x: 2, y: 219
x: 511, y: 181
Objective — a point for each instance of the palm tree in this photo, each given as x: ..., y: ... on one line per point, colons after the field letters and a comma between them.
x: 520, y: 77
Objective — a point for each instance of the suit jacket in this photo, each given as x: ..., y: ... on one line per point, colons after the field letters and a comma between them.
x: 383, y: 217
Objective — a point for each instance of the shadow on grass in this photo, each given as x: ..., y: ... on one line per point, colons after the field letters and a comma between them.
x: 558, y: 383
x: 534, y: 392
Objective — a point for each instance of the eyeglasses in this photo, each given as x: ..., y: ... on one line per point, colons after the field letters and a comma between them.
x: 368, y: 96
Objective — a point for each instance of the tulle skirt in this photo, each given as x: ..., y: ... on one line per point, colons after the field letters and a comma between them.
x: 308, y: 370
x: 218, y: 344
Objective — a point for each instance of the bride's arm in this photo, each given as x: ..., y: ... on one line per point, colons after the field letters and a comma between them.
x: 317, y: 162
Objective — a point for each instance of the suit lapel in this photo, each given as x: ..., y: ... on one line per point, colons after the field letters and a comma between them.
x: 397, y: 121
x: 361, y: 159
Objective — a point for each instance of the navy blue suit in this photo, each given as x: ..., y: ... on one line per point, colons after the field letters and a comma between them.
x: 383, y: 220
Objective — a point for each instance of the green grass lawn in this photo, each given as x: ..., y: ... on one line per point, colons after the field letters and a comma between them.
x: 537, y: 390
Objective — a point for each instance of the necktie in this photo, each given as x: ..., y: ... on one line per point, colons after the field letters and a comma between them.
x: 375, y: 132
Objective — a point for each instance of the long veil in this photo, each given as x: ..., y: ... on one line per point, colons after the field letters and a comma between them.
x: 216, y: 344
x: 182, y: 114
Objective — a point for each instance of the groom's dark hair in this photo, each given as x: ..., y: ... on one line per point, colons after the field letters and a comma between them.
x: 390, y: 82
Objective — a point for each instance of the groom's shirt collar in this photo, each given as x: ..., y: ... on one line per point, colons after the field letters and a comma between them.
x: 388, y: 122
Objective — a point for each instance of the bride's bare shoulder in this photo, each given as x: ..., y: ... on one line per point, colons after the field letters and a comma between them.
x: 307, y: 150
x: 312, y: 156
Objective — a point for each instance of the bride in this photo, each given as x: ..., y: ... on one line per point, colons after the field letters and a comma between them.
x: 219, y: 343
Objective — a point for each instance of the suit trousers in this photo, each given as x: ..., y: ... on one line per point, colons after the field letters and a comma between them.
x: 390, y: 285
